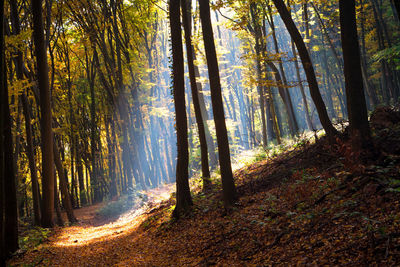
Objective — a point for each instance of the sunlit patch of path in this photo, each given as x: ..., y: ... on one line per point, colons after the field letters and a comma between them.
x: 85, y: 233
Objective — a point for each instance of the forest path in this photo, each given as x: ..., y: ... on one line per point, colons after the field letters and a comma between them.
x: 95, y: 241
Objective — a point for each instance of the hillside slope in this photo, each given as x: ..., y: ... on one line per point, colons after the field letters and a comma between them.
x: 314, y: 204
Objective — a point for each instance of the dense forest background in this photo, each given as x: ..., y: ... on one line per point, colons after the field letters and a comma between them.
x: 92, y: 99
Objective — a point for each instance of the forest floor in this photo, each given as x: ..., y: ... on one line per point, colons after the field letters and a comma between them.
x: 314, y: 204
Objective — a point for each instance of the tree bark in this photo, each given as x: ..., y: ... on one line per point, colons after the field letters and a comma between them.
x: 46, y: 116
x: 396, y: 4
x: 28, y: 128
x: 303, y: 94
x: 186, y: 10
x: 287, y: 100
x: 9, y: 241
x: 356, y: 105
x: 260, y: 88
x: 228, y: 185
x: 59, y: 219
x: 183, y: 197
x: 66, y: 198
x: 308, y: 68
x: 32, y: 163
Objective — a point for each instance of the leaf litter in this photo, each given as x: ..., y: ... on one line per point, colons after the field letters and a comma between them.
x: 312, y: 205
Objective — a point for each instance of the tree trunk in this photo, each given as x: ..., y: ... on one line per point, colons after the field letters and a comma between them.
x: 228, y: 185
x: 308, y: 68
x: 356, y: 106
x: 287, y: 100
x: 66, y: 198
x: 28, y: 128
x: 32, y: 163
x: 260, y: 88
x: 111, y: 162
x: 303, y: 94
x: 59, y: 219
x: 46, y: 117
x: 79, y: 168
x: 396, y: 4
x: 204, y: 114
x: 183, y: 197
x: 186, y: 11
x: 9, y: 241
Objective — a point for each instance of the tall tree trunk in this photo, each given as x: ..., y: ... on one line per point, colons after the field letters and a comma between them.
x: 2, y: 245
x: 79, y: 168
x: 356, y: 106
x: 260, y: 88
x: 31, y: 159
x: 183, y: 197
x: 204, y: 114
x: 308, y: 68
x: 186, y: 11
x: 94, y: 183
x: 373, y: 99
x: 28, y: 128
x: 274, y: 118
x: 228, y: 185
x: 396, y: 4
x: 293, y: 125
x: 303, y: 94
x: 111, y: 161
x: 46, y: 116
x: 66, y: 198
x: 9, y: 241
x: 59, y: 219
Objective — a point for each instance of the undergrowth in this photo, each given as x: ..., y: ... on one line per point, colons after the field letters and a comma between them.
x: 33, y: 237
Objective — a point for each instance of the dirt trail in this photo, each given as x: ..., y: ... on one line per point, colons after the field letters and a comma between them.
x: 94, y: 241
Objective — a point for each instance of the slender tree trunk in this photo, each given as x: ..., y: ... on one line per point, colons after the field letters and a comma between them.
x: 260, y: 88
x: 46, y: 116
x: 9, y: 241
x: 2, y: 245
x: 204, y: 114
x: 79, y: 168
x: 274, y: 117
x: 19, y: 71
x: 373, y: 99
x: 186, y: 11
x: 111, y: 162
x: 386, y: 86
x: 308, y: 68
x: 183, y: 197
x: 396, y: 4
x: 31, y: 159
x: 293, y: 125
x: 356, y: 106
x: 66, y: 198
x: 303, y: 94
x: 59, y: 219
x: 228, y: 185
x: 94, y: 183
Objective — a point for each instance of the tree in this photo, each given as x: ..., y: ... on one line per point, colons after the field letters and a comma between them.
x: 66, y: 198
x: 228, y: 185
x: 8, y: 210
x: 397, y: 6
x: 186, y: 7
x: 356, y: 104
x: 183, y: 197
x: 46, y: 116
x: 308, y: 68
